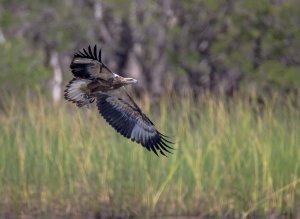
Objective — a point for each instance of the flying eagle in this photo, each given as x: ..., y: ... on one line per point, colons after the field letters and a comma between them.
x: 93, y: 80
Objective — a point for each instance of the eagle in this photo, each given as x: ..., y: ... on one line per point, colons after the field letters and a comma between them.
x: 94, y: 81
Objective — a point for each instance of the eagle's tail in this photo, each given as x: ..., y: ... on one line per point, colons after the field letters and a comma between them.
x: 77, y: 92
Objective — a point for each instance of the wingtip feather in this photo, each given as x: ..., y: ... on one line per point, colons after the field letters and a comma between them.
x: 95, y: 51
x: 89, y: 53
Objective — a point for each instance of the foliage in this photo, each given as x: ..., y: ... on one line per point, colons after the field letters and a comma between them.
x: 230, y: 158
x: 21, y: 68
x: 206, y: 45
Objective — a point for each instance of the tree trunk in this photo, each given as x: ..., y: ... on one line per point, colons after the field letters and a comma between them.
x: 98, y: 10
x: 57, y: 77
x: 2, y: 38
x: 134, y: 68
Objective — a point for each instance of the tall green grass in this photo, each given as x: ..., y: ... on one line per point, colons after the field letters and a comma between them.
x: 231, y: 158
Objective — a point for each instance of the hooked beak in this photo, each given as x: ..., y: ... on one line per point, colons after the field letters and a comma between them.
x: 124, y: 81
x: 130, y: 80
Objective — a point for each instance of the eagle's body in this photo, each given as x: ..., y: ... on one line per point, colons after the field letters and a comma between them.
x: 92, y: 81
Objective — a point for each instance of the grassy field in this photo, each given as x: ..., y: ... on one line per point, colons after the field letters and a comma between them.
x: 231, y: 159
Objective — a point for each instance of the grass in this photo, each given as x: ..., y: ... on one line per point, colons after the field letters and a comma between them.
x: 230, y: 159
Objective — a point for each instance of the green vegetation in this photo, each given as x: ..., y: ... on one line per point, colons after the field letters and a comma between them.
x: 236, y: 155
x: 230, y: 158
x: 21, y: 68
x: 216, y: 46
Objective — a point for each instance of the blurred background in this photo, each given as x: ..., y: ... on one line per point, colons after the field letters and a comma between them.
x: 220, y: 77
x: 213, y: 46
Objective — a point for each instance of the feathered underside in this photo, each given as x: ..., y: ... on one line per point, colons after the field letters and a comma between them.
x: 76, y: 92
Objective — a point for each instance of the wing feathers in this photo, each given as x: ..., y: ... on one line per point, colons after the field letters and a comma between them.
x: 99, y: 56
x: 125, y: 117
x: 131, y: 123
x: 87, y: 64
x: 76, y: 92
x: 89, y: 54
x: 95, y: 52
x: 86, y: 53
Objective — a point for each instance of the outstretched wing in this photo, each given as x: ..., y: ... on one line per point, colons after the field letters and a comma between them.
x: 88, y: 65
x: 132, y: 123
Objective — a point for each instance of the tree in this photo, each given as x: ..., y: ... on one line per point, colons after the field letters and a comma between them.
x: 206, y: 45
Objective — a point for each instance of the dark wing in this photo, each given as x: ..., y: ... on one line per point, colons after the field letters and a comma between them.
x: 88, y: 65
x: 132, y: 123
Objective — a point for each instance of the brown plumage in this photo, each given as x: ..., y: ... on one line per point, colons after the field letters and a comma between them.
x: 92, y: 81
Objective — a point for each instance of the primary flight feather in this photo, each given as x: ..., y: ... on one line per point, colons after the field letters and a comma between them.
x: 93, y: 80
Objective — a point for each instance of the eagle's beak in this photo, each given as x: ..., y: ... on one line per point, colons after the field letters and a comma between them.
x: 130, y: 80
x: 120, y: 80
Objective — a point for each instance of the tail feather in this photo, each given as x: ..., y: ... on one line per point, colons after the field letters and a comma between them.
x: 77, y: 92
